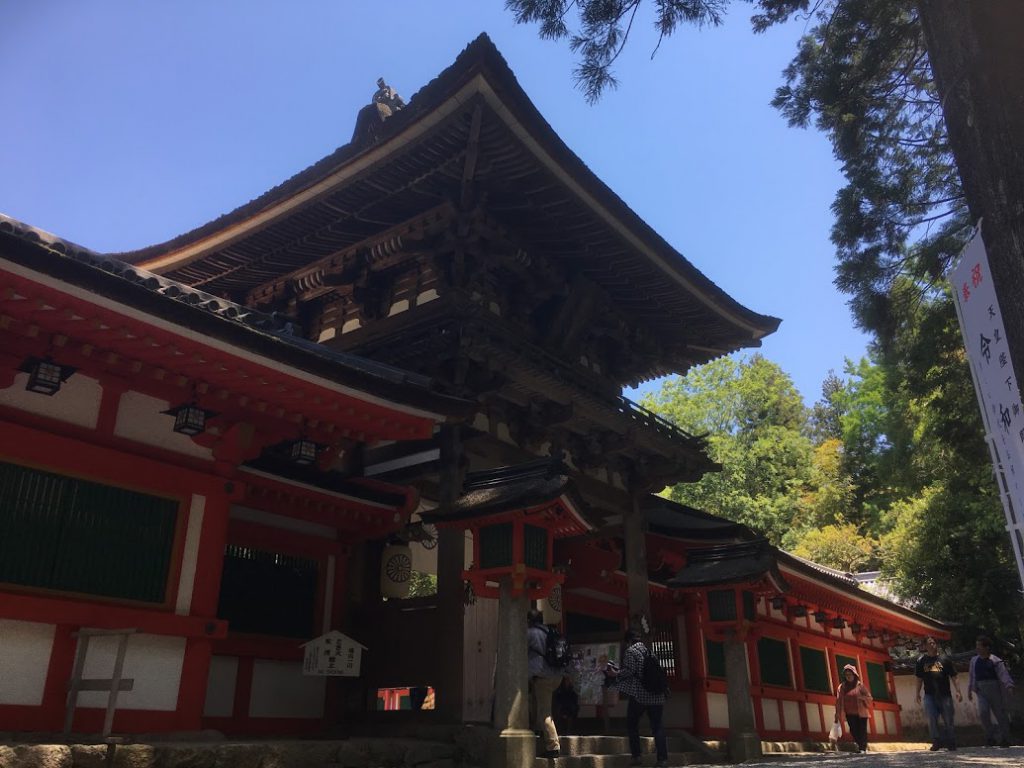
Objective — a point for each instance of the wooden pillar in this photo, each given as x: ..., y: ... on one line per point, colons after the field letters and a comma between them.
x: 515, y: 745
x: 450, y: 592
x: 211, y: 519
x: 698, y: 666
x: 744, y: 740
x: 635, y: 533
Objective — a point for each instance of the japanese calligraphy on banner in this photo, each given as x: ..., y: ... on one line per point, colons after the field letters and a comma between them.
x: 995, y: 384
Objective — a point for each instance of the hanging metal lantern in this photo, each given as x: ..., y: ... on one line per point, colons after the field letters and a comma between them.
x: 395, y: 571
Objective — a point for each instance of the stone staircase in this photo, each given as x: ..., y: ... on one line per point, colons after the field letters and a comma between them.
x: 613, y: 752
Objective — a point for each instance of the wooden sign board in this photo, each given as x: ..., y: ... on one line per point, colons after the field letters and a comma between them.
x: 333, y: 654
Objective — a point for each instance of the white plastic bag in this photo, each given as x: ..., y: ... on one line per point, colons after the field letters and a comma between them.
x: 836, y: 733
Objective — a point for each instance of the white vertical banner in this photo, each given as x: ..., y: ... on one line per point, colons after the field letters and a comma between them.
x: 981, y: 323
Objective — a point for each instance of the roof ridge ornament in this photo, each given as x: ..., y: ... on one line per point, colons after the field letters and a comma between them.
x: 387, y: 100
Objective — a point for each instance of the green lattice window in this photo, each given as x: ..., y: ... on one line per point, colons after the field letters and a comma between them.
x: 716, y: 658
x: 773, y: 657
x: 496, y: 546
x: 842, y: 661
x: 815, y: 669
x: 71, y: 535
x: 877, y: 682
x: 535, y: 547
x: 722, y: 605
x: 749, y: 606
x: 268, y: 593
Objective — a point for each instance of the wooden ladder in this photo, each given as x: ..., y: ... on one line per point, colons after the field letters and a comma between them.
x: 112, y: 685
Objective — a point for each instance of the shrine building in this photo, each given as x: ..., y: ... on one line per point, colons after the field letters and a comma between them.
x: 384, y: 399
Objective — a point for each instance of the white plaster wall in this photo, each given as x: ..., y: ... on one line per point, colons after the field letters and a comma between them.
x: 718, y: 710
x: 77, y: 401
x: 814, y: 721
x: 279, y: 689
x: 220, y: 686
x: 153, y: 661
x: 878, y: 719
x: 791, y: 716
x: 890, y: 722
x: 770, y: 713
x: 141, y: 418
x: 912, y: 713
x: 25, y: 648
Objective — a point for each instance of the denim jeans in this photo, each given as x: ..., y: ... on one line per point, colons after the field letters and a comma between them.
x: 935, y: 707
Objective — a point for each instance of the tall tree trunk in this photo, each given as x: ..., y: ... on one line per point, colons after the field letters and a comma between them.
x: 976, y: 48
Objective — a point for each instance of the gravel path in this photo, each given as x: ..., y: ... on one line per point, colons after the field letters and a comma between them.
x: 968, y: 756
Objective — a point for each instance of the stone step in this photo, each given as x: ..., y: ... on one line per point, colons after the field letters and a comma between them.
x: 616, y: 761
x: 616, y: 745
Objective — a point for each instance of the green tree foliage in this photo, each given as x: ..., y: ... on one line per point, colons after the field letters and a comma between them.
x: 862, y: 76
x: 825, y: 413
x: 604, y: 27
x: 755, y: 421
x: 944, y: 540
x: 913, y: 468
x: 838, y: 546
x: 830, y: 500
x: 422, y: 584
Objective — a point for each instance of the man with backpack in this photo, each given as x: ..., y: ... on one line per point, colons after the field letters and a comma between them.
x: 547, y: 652
x: 642, y: 679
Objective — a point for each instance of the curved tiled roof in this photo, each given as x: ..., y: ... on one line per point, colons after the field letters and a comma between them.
x: 481, y: 58
x: 133, y: 285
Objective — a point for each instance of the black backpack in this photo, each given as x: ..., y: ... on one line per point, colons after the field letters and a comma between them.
x: 653, y: 677
x: 556, y: 650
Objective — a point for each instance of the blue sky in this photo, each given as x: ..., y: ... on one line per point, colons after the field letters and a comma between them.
x: 126, y: 123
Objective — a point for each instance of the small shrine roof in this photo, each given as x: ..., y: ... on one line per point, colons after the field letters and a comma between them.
x: 216, y: 317
x: 729, y: 564
x: 672, y: 519
x: 749, y: 557
x: 505, y: 489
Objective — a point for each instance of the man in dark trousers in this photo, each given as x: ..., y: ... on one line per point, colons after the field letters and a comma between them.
x: 990, y: 679
x: 629, y: 680
x: 935, y: 673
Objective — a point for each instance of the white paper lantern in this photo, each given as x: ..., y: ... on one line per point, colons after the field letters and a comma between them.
x: 395, y: 571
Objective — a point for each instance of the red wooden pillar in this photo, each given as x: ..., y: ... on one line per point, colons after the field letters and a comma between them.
x: 209, y: 565
x: 698, y: 666
x: 333, y: 699
x: 55, y: 689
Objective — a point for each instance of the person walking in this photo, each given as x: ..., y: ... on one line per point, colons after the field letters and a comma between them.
x: 935, y: 674
x: 854, y: 701
x: 989, y: 678
x: 544, y: 679
x: 629, y: 679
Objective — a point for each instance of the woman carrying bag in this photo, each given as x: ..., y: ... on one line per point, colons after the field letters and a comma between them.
x: 854, y: 700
